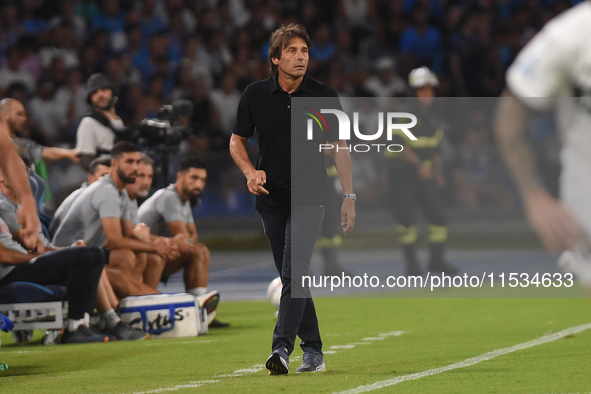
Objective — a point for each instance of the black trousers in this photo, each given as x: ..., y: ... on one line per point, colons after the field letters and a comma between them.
x: 79, y: 268
x: 292, y: 237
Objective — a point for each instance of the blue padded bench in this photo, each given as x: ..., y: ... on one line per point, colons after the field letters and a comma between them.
x: 31, y: 306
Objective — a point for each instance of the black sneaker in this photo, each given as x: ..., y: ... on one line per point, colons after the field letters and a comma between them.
x: 97, y: 330
x: 83, y: 335
x: 278, y: 362
x: 218, y: 324
x: 123, y: 332
x: 312, y: 361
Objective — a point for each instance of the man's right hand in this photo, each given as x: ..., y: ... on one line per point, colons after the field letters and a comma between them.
x: 554, y: 224
x: 255, y: 181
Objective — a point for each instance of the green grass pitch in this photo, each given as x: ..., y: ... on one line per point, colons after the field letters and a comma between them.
x: 437, y: 332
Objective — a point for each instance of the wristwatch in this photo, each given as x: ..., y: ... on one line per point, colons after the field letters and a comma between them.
x: 352, y: 196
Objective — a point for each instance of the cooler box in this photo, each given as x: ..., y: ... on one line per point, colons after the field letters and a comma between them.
x: 165, y: 315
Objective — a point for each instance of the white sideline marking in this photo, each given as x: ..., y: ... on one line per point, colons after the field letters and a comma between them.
x: 470, y: 361
x: 349, y: 346
x: 242, y: 372
x: 255, y: 368
x: 20, y: 351
x: 190, y: 385
x: 393, y: 334
x: 150, y: 343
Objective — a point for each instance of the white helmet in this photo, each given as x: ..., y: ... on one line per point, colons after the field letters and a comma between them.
x: 422, y: 76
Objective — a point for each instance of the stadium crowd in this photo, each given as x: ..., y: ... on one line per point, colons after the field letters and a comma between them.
x: 208, y: 51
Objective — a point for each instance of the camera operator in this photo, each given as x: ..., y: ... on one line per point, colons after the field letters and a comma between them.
x: 99, y: 130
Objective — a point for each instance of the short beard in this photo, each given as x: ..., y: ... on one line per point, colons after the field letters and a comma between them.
x: 124, y: 177
x: 193, y: 200
x: 106, y: 107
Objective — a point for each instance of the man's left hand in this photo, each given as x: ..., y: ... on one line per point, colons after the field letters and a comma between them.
x: 347, y: 215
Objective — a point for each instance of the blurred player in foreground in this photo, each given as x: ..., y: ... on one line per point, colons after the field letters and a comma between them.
x: 553, y: 71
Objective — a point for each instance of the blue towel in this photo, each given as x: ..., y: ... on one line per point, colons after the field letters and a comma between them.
x: 5, y: 323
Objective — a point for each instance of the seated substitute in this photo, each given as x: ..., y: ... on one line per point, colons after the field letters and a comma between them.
x: 98, y: 167
x: 78, y: 268
x: 168, y: 213
x: 106, y: 302
x: 96, y: 216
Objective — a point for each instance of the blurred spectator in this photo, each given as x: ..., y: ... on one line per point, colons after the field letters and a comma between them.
x: 160, y: 47
x: 153, y: 100
x: 225, y: 101
x: 386, y: 82
x: 477, y: 176
x: 323, y: 50
x: 129, y: 73
x: 183, y: 82
x: 135, y: 40
x: 67, y: 13
x: 151, y: 21
x: 12, y: 71
x: 111, y: 19
x: 56, y: 72
x: 469, y: 58
x: 391, y: 25
x: 132, y: 104
x: 17, y: 91
x: 8, y: 26
x: 196, y: 59
x: 88, y: 61
x: 47, y: 116
x: 30, y: 60
x: 421, y: 43
x: 178, y: 10
x: 204, y: 119
x: 62, y: 44
x: 72, y: 96
x: 218, y: 53
x: 433, y: 6
x: 31, y: 22
x: 358, y: 16
x: 100, y: 41
x: 86, y: 8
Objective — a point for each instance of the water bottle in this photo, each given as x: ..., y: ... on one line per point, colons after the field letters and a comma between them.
x: 3, y: 367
